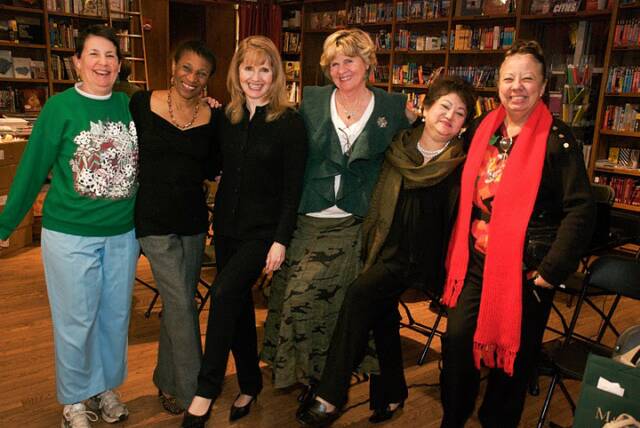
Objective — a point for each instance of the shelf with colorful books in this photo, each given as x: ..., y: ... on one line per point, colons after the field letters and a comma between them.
x: 21, y: 9
x: 618, y: 170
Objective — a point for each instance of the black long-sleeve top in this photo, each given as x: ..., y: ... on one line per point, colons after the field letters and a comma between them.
x: 262, y: 171
x: 172, y: 167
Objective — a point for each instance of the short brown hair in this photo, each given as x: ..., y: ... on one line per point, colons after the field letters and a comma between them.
x: 529, y: 47
x: 98, y: 30
x: 452, y: 84
x: 350, y: 42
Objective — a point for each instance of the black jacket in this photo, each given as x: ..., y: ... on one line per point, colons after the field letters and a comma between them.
x: 262, y: 171
x: 564, y: 202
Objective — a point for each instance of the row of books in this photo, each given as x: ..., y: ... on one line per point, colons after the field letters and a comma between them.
x: 622, y: 118
x: 483, y: 38
x: 90, y: 7
x: 125, y: 42
x: 293, y: 91
x: 371, y: 13
x: 627, y: 33
x: 62, y: 34
x: 623, y: 157
x: 382, y: 39
x: 14, y: 67
x: 483, y: 76
x: 414, y: 41
x: 327, y: 20
x: 485, y: 104
x: 380, y: 74
x: 292, y: 70
x: 62, y: 68
x: 424, y: 9
x: 415, y: 74
x: 626, y: 190
x: 80, y: 7
x: 21, y: 29
x: 290, y: 42
x: 485, y: 7
x: 26, y: 100
x: 624, y: 80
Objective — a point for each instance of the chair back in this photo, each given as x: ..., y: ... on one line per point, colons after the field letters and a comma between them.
x: 616, y: 274
x: 604, y: 197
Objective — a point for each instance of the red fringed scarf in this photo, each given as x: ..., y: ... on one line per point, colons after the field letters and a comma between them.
x: 499, y: 320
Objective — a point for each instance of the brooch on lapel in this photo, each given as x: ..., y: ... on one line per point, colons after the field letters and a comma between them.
x: 382, y: 122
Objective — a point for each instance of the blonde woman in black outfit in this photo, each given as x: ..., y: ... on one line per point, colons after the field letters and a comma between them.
x: 177, y: 152
x: 263, y: 143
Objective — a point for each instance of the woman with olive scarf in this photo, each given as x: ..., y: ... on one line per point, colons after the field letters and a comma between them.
x: 404, y: 237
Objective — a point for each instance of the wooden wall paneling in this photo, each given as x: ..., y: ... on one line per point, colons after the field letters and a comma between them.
x: 157, y: 42
x: 221, y: 37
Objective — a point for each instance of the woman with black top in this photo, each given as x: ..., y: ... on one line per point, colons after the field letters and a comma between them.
x: 263, y: 143
x: 178, y: 150
x: 405, y: 234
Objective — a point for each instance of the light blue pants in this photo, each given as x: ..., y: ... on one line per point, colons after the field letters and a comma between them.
x: 89, y: 282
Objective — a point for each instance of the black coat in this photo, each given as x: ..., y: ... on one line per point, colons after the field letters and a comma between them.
x: 262, y: 171
x: 564, y: 202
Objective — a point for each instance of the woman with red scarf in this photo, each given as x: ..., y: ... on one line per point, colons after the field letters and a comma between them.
x: 524, y: 177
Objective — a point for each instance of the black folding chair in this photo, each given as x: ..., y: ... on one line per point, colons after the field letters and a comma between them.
x: 616, y: 275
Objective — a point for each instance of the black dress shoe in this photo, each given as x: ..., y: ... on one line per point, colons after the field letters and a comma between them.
x: 194, y: 421
x: 317, y: 416
x: 240, y: 412
x: 306, y: 399
x: 384, y: 414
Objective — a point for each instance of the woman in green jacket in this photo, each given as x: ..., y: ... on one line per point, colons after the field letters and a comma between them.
x: 350, y: 126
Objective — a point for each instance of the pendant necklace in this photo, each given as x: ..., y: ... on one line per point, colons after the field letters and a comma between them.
x: 173, y: 119
x: 350, y: 112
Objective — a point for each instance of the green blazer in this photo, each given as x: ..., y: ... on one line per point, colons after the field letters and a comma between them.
x: 325, y: 160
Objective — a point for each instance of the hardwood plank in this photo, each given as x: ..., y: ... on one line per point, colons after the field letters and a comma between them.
x: 27, y: 380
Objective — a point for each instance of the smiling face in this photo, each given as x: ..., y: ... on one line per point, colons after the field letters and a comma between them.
x: 445, y: 117
x: 521, y: 84
x: 256, y: 75
x: 348, y: 73
x: 98, y: 65
x: 190, y: 74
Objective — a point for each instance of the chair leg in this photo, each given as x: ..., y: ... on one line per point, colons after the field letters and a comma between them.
x: 434, y: 331
x: 565, y: 391
x: 547, y: 401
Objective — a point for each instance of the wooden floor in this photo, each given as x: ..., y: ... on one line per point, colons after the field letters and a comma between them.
x: 27, y: 383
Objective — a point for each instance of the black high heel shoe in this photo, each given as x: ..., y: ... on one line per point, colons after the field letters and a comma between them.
x: 240, y: 412
x: 194, y: 421
x: 384, y: 414
x: 316, y: 415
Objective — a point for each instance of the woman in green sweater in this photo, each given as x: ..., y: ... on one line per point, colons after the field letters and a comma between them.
x: 86, y: 138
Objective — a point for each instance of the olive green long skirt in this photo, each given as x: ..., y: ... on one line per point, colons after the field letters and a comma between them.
x: 306, y: 295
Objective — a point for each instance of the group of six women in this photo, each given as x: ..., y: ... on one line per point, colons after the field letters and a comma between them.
x: 348, y: 202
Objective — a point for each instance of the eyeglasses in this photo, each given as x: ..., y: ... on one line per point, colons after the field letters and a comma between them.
x: 348, y: 145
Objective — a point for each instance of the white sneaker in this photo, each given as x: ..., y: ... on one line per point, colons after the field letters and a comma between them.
x: 77, y: 416
x: 110, y: 407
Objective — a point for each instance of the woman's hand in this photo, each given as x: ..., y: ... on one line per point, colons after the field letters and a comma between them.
x: 540, y: 281
x: 213, y: 103
x: 275, y: 257
x: 410, y: 112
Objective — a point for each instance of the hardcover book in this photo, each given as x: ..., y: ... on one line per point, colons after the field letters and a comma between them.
x: 21, y: 67
x: 30, y: 99
x: 6, y: 64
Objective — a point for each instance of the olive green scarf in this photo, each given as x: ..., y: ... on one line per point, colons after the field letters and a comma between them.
x: 403, y: 166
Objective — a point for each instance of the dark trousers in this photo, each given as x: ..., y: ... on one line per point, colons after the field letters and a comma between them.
x: 459, y: 381
x: 371, y: 304
x: 232, y: 323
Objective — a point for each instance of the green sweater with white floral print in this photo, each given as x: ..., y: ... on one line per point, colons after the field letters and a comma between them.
x: 91, y: 148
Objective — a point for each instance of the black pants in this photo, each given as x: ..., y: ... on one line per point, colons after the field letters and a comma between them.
x: 371, y: 304
x: 232, y: 323
x: 459, y: 381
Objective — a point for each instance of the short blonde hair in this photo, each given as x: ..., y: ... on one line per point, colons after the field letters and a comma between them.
x: 350, y: 42
x: 259, y: 50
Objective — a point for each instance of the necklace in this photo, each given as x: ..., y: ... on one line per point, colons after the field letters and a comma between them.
x: 173, y: 119
x: 430, y: 154
x: 350, y: 112
x: 504, y: 145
